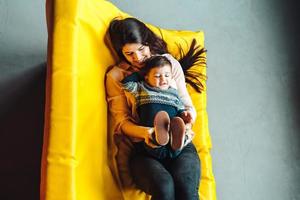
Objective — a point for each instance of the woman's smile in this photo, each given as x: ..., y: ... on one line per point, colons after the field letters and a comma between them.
x: 136, y: 53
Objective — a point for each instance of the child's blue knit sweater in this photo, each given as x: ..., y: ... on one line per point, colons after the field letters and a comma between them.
x: 150, y: 100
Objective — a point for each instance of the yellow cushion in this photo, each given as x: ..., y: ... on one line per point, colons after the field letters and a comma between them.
x: 79, y: 150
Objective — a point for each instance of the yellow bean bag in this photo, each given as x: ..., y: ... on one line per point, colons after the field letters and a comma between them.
x: 79, y: 151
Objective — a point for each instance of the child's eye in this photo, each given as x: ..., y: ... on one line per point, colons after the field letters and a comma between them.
x: 167, y: 75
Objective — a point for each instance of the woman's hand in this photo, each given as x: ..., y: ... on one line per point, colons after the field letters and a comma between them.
x: 148, y: 137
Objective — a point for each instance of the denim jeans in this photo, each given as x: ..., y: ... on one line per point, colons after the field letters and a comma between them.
x: 170, y: 178
x: 160, y: 153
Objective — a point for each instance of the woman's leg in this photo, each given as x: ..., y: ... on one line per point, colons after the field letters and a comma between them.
x: 185, y: 170
x: 151, y: 176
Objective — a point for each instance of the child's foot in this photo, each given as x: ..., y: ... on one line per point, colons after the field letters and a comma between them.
x: 177, y: 128
x: 161, y: 127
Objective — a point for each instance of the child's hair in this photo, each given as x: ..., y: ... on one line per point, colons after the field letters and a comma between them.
x: 155, y: 61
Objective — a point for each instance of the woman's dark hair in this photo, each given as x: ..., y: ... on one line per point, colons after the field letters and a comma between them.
x: 155, y: 61
x: 131, y: 30
x: 194, y: 57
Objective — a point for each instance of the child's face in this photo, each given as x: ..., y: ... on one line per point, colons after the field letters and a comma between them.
x: 159, y: 77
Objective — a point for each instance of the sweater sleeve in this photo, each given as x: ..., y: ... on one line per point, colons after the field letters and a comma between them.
x: 131, y: 87
x: 134, y: 77
x: 179, y: 78
x: 119, y: 108
x: 117, y: 103
x: 130, y: 83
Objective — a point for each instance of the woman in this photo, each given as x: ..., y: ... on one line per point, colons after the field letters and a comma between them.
x: 162, y: 179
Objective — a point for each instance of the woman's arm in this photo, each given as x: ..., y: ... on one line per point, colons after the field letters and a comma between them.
x: 119, y: 109
x: 179, y: 78
x: 131, y: 129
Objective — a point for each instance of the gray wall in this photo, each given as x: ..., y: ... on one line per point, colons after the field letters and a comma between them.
x: 253, y: 85
x: 23, y: 40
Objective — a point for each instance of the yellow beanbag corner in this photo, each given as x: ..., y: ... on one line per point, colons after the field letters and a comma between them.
x: 79, y: 150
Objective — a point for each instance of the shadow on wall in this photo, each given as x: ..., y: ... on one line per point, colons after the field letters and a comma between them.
x: 292, y: 16
x: 292, y: 36
x: 22, y: 97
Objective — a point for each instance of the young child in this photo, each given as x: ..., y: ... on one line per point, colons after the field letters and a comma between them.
x: 158, y: 105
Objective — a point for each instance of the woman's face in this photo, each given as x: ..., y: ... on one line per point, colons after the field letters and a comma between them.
x: 136, y: 53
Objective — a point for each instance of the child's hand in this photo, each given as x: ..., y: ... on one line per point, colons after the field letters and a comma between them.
x: 187, y: 117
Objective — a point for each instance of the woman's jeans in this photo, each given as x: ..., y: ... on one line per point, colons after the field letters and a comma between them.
x: 160, y: 153
x: 168, y: 179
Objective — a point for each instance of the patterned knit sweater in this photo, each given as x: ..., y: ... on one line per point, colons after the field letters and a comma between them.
x: 150, y: 100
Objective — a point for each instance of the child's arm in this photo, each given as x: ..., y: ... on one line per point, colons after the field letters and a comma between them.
x: 134, y: 77
x: 131, y: 85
